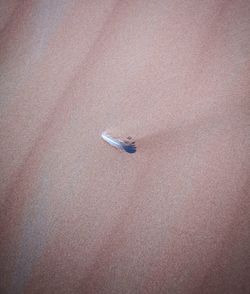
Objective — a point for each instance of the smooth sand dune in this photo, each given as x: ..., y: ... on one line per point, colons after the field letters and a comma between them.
x: 78, y: 216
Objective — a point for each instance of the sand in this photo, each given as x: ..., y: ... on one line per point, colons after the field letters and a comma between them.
x: 78, y: 216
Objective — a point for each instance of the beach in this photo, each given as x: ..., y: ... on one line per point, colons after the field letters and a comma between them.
x: 79, y: 216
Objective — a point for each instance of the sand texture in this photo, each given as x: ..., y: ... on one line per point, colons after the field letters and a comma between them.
x: 79, y: 216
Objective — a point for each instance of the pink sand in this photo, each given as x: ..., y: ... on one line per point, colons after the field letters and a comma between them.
x: 78, y: 216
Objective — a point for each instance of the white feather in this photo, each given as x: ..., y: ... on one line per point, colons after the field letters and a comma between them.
x: 126, y: 146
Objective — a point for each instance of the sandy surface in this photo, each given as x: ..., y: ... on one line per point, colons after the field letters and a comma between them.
x: 78, y: 216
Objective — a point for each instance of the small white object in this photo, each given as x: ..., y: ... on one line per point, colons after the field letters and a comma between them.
x: 123, y: 145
